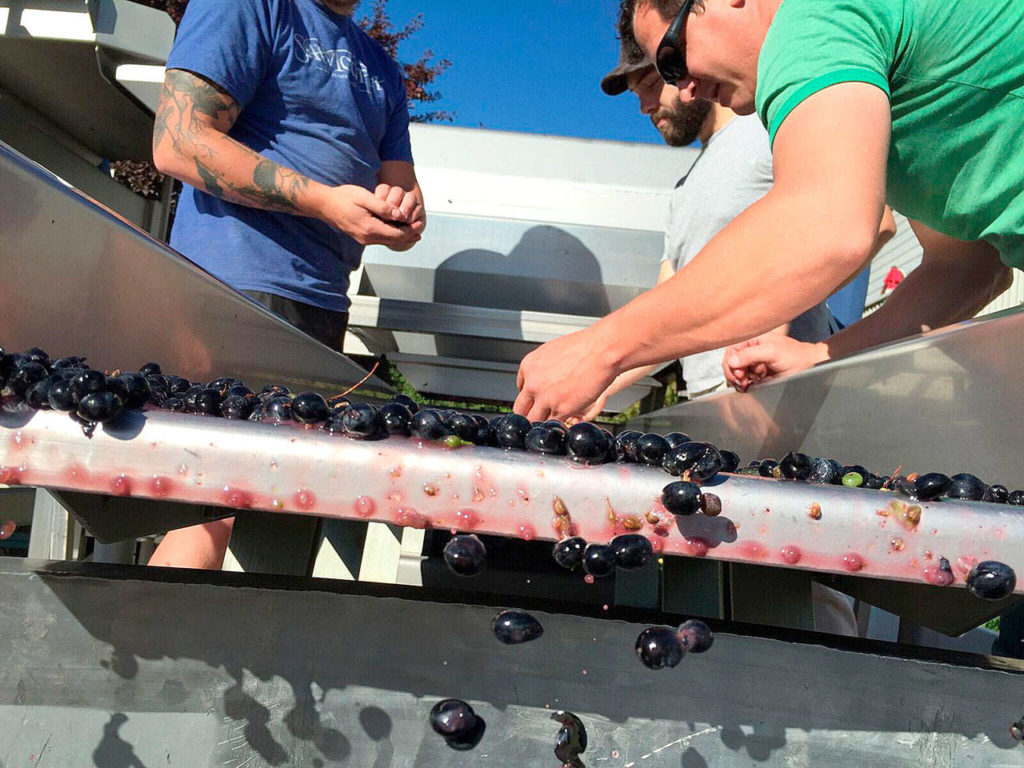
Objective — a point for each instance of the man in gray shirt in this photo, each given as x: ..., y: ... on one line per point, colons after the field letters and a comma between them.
x: 732, y: 171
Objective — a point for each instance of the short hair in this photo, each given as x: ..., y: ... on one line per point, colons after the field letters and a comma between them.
x: 625, y: 27
x: 667, y: 9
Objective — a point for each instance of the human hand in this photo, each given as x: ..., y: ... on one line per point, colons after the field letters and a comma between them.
x: 565, y: 377
x: 367, y: 218
x: 767, y: 357
x: 409, y: 204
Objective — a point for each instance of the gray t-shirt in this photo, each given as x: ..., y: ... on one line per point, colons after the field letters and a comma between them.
x: 733, y: 171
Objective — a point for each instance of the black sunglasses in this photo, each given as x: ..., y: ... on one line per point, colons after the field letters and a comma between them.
x: 671, y: 56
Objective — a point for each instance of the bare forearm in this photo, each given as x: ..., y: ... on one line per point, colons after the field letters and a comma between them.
x: 778, y: 260
x: 190, y: 142
x: 933, y: 295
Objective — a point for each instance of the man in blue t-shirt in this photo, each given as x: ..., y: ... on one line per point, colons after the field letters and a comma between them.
x: 289, y: 127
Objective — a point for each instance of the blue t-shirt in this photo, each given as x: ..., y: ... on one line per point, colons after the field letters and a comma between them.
x: 318, y: 95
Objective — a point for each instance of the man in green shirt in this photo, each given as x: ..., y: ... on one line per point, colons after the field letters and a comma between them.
x: 914, y: 102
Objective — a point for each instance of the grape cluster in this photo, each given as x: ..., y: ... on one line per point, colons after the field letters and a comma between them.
x: 917, y: 487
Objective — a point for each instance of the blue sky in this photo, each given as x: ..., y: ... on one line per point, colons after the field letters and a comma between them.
x: 526, y: 65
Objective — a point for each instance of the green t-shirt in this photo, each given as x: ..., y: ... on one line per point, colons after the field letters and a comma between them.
x: 954, y: 74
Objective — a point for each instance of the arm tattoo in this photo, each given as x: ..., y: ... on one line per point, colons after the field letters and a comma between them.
x: 190, y: 106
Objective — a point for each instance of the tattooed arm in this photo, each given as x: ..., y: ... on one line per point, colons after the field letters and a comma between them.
x: 190, y: 142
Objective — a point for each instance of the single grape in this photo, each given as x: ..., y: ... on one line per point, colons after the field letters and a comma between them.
x: 465, y: 555
x: 310, y: 408
x: 797, y: 466
x: 695, y: 636
x: 681, y: 498
x: 991, y: 580
x: 659, y: 647
x: 568, y: 553
x: 515, y: 627
x: 598, y: 560
x: 631, y: 550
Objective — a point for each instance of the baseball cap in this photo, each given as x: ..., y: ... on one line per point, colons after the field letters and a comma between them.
x: 631, y: 59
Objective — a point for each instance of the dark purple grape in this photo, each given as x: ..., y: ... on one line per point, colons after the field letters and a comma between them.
x: 100, y: 406
x: 598, y: 560
x: 456, y: 721
x: 677, y: 438
x: 651, y: 449
x: 25, y: 375
x: 874, y: 482
x: 571, y: 739
x: 224, y: 383
x: 768, y: 468
x: 407, y: 401
x: 1016, y: 498
x: 150, y: 369
x: 67, y: 363
x: 176, y: 385
x: 682, y: 498
x: 730, y: 461
x: 996, y: 494
x: 237, y: 407
x: 276, y: 409
x: 626, y: 446
x: 60, y: 396
x: 631, y: 550
x: 931, y: 485
x: 174, y: 404
x: 465, y: 555
x: 37, y: 396
x: 548, y: 440
x: 337, y: 402
x: 9, y: 362
x: 310, y: 408
x: 190, y: 397
x: 427, y: 424
x: 826, y: 471
x: 796, y: 466
x: 515, y: 627
x: 681, y: 458
x: 695, y: 636
x: 991, y: 580
x: 273, y: 390
x: 511, y: 432
x: 708, y: 464
x: 362, y: 421
x: 465, y: 427
x: 396, y: 419
x: 137, y: 389
x: 208, y: 402
x: 659, y: 647
x: 966, y: 486
x: 116, y: 386
x: 902, y: 486
x: 36, y: 355
x: 238, y: 389
x: 568, y: 553
x: 587, y: 444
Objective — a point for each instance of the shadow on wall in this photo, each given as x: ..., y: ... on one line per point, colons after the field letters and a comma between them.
x: 548, y: 270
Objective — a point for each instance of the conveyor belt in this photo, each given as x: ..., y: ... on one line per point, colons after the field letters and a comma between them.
x: 289, y: 469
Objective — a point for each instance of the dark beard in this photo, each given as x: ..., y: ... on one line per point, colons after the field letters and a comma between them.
x: 684, y: 122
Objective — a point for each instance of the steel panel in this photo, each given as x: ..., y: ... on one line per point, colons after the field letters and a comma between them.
x: 121, y: 667
x: 944, y: 401
x: 78, y: 279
